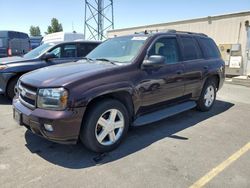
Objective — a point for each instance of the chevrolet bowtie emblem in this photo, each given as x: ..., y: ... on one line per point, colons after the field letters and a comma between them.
x: 23, y: 92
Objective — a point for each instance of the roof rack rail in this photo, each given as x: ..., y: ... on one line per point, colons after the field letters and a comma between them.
x: 187, y: 32
x: 168, y: 31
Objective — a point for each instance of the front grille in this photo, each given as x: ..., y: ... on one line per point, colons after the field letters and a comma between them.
x: 27, y: 95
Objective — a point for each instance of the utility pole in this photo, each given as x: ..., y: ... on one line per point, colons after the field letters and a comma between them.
x: 99, y: 18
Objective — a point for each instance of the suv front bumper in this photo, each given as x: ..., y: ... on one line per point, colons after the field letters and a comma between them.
x: 66, y: 124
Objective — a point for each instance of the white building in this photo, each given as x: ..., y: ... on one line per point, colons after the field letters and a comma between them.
x: 231, y: 32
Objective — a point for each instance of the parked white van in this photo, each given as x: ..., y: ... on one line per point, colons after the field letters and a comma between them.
x: 62, y: 36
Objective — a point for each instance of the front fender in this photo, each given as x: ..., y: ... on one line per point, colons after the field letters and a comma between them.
x: 87, y: 96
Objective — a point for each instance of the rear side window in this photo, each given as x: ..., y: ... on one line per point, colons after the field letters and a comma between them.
x: 69, y: 51
x: 84, y: 49
x: 209, y: 48
x: 191, y: 50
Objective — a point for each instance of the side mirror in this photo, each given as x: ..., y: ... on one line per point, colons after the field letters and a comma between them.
x: 154, y: 61
x: 48, y: 56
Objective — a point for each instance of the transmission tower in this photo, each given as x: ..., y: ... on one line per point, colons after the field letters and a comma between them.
x: 99, y: 18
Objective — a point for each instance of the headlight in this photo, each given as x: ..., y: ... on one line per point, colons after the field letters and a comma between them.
x: 52, y: 98
x: 2, y: 67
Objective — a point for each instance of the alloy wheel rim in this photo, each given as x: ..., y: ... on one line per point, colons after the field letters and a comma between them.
x: 209, y: 96
x: 109, y: 127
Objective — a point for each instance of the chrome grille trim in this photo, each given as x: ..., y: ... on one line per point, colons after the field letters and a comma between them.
x: 25, y: 103
x: 30, y: 95
x: 27, y: 96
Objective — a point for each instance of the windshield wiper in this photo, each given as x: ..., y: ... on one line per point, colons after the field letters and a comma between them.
x: 84, y: 58
x: 107, y: 60
x: 88, y: 59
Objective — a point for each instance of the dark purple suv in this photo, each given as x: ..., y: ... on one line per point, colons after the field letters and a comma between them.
x: 126, y: 81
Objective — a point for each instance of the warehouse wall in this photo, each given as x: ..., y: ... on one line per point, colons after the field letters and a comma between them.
x: 225, y: 29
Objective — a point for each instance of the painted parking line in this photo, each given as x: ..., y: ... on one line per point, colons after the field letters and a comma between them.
x: 218, y: 169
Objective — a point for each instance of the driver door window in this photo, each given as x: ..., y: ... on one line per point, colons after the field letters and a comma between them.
x: 57, y: 51
x: 167, y: 47
x: 65, y: 51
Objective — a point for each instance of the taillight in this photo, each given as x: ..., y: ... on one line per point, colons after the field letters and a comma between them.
x: 9, y: 52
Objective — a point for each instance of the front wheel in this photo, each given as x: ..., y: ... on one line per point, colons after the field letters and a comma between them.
x: 105, y: 126
x: 11, y: 88
x: 208, y: 96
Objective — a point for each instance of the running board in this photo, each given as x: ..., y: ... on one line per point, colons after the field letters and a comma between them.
x: 164, y: 113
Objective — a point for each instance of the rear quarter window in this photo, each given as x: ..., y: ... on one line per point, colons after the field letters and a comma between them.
x: 23, y: 35
x: 13, y: 35
x: 190, y: 48
x: 209, y: 48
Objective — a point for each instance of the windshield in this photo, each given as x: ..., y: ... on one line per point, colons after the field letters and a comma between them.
x: 119, y: 49
x: 38, y: 51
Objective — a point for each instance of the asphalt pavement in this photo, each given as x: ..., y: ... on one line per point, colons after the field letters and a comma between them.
x: 208, y: 149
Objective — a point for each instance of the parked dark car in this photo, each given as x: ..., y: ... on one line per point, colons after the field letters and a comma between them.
x: 13, y: 43
x: 35, y: 41
x: 126, y: 81
x: 45, y: 55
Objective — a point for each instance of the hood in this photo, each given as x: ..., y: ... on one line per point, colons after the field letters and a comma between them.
x: 11, y: 60
x: 61, y: 75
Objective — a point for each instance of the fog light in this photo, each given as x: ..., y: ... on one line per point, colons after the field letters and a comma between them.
x: 48, y: 127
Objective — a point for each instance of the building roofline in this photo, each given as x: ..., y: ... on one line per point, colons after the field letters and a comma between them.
x: 215, y: 17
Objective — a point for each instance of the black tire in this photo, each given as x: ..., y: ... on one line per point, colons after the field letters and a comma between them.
x: 201, y: 103
x: 89, y: 125
x: 11, y: 88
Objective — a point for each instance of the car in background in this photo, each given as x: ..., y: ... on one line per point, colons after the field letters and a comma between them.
x: 45, y: 55
x: 62, y: 36
x: 35, y: 41
x: 13, y: 43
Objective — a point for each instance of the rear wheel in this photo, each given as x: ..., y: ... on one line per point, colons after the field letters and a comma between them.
x: 11, y: 88
x: 105, y: 126
x: 208, y: 96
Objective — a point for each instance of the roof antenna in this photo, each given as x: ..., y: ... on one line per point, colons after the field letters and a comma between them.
x: 73, y: 29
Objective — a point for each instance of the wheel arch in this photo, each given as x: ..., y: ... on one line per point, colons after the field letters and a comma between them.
x: 13, y: 77
x: 123, y: 96
x: 216, y: 79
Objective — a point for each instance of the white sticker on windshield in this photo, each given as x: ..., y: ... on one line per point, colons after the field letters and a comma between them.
x: 139, y: 38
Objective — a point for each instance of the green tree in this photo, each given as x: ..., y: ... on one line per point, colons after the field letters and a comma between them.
x: 54, y: 27
x: 35, y: 31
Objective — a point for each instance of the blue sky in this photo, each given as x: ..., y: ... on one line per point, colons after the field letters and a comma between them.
x: 20, y: 15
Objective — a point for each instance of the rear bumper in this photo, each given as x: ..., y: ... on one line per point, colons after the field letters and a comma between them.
x: 222, y: 80
x: 3, y: 55
x: 66, y: 124
x: 4, y: 79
